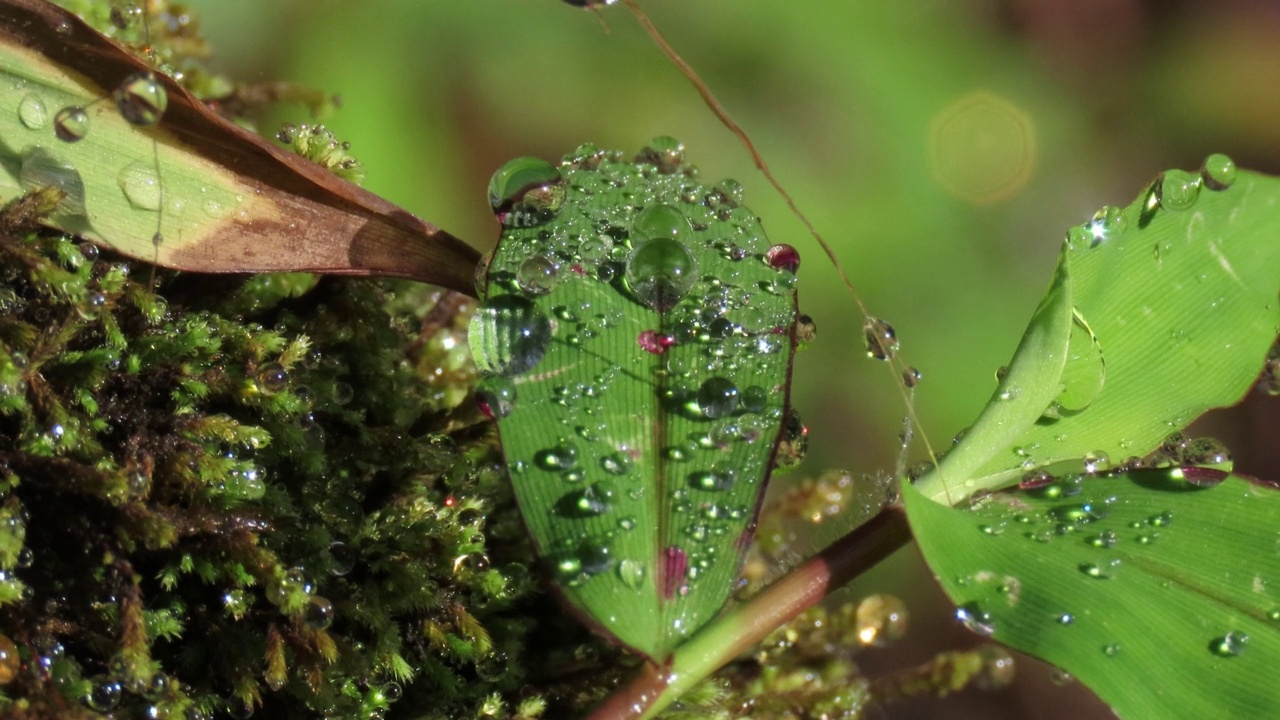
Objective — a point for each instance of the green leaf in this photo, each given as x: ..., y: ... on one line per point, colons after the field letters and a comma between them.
x: 1172, y: 310
x: 638, y: 332
x: 1154, y: 591
x: 151, y: 172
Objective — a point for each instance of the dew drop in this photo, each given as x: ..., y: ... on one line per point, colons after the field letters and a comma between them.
x: 660, y: 221
x: 660, y: 272
x: 564, y: 457
x: 631, y: 572
x: 526, y: 191
x: 104, y: 694
x: 616, y: 463
x: 1229, y: 645
x: 272, y: 377
x: 880, y: 620
x: 537, y: 275
x: 664, y: 151
x: 10, y: 660
x: 493, y: 666
x: 71, y: 124
x: 715, y: 480
x: 1178, y: 190
x: 142, y: 99
x: 1111, y: 649
x: 318, y: 614
x: 1218, y: 172
x: 495, y: 396
x: 343, y: 557
x: 793, y: 444
x: 32, y: 112
x: 755, y: 399
x: 910, y: 377
x: 1096, y: 462
x: 783, y: 257
x: 998, y: 668
x: 881, y: 340
x: 717, y: 397
x: 595, y: 557
x: 1066, y: 619
x: 508, y: 335
x: 141, y: 186
x: 1108, y: 222
x: 976, y: 619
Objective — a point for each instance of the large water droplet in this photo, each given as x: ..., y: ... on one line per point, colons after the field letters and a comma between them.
x: 32, y: 112
x: 537, y: 275
x: 1229, y: 645
x: 141, y: 185
x: 660, y: 221
x: 40, y: 170
x: 1218, y: 172
x: 1084, y: 373
x: 1178, y: 190
x: 717, y: 397
x: 881, y: 340
x: 508, y: 335
x: 495, y: 396
x: 783, y: 257
x: 880, y: 619
x: 526, y: 191
x: 1108, y: 222
x: 71, y: 124
x: 631, y: 572
x: 660, y: 272
x: 590, y: 501
x: 665, y: 152
x: 793, y: 444
x: 563, y: 457
x: 141, y: 99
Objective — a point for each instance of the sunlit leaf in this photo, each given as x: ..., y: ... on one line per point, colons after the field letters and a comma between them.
x: 1156, y: 589
x: 638, y: 332
x: 1172, y: 308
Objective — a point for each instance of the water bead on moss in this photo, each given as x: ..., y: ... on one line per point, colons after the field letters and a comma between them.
x: 526, y: 191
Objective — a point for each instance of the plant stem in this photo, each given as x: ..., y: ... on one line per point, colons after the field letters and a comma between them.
x: 656, y: 687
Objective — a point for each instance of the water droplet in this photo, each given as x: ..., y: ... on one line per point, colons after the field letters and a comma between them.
x: 794, y: 443
x: 880, y: 619
x: 1218, y: 172
x: 976, y: 619
x: 595, y: 557
x: 1104, y: 539
x: 1066, y: 619
x: 537, y: 276
x: 665, y: 152
x: 616, y: 463
x: 344, y: 558
x: 1108, y: 222
x: 142, y: 99
x: 10, y: 660
x: 493, y: 667
x: 104, y: 694
x: 717, y: 479
x: 1060, y: 677
x: 318, y: 614
x: 631, y: 572
x: 1229, y: 645
x: 495, y: 396
x: 141, y: 186
x: 881, y: 340
x: 1096, y: 571
x: 272, y: 377
x: 526, y: 191
x: 717, y: 397
x: 660, y: 221
x: 508, y: 335
x: 1084, y: 373
x: 1096, y: 462
x: 71, y: 124
x: 564, y: 457
x: 755, y: 399
x: 41, y: 169
x: 783, y: 257
x: 32, y: 113
x: 1034, y: 480
x: 652, y: 342
x: 392, y: 691
x: 1177, y: 190
x: 660, y: 272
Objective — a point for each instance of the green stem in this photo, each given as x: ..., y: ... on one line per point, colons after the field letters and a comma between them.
x: 656, y: 687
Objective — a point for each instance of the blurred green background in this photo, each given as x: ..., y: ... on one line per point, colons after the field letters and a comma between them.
x: 942, y: 148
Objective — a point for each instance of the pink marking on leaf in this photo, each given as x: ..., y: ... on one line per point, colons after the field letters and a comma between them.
x: 675, y: 564
x: 651, y: 342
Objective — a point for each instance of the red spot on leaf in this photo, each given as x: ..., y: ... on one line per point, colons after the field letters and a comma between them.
x: 675, y: 564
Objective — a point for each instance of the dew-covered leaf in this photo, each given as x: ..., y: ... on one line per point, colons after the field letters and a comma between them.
x: 83, y: 115
x: 1156, y: 589
x: 638, y: 332
x: 1172, y: 308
